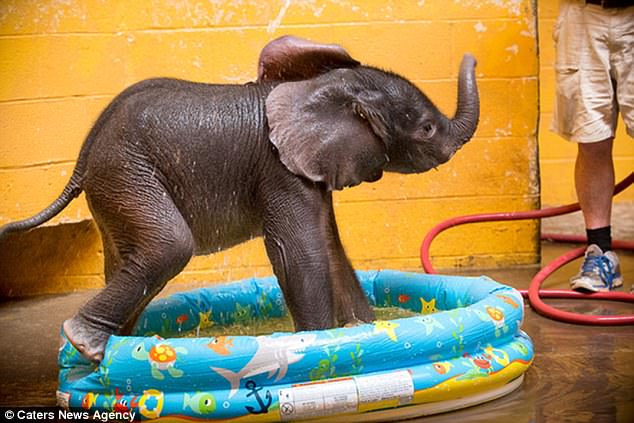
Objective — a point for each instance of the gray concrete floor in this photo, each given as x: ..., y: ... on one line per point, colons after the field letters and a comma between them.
x: 30, y: 333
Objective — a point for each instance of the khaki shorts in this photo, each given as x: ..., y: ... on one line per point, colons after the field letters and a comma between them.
x: 594, y: 70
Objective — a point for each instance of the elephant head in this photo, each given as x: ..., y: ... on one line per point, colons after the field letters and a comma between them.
x: 340, y: 123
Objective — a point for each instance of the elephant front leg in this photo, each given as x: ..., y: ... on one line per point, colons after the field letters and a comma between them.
x: 295, y: 241
x: 301, y: 267
x: 319, y: 285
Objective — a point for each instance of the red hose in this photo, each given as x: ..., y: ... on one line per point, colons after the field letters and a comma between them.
x: 534, y: 292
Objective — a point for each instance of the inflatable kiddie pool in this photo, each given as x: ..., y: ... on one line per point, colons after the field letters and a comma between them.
x: 465, y: 348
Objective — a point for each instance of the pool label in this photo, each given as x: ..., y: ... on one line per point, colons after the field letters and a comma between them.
x: 385, y: 390
x: 63, y: 399
x: 346, y: 395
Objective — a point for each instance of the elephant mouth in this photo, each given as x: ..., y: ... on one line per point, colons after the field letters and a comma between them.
x: 375, y: 176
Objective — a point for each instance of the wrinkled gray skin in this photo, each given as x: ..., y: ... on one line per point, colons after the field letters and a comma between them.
x: 173, y: 169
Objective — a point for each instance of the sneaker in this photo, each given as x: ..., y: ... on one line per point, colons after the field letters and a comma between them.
x: 599, y: 272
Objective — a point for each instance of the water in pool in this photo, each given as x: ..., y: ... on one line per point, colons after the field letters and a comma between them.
x: 284, y: 324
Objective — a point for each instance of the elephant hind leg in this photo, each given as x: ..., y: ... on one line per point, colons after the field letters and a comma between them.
x: 153, y: 245
x: 111, y: 260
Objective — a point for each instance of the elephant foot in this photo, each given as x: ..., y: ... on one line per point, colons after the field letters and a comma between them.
x: 90, y: 342
x: 356, y: 316
x: 353, y: 323
x: 364, y: 312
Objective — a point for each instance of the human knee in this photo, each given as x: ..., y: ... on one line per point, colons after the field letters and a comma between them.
x: 596, y: 151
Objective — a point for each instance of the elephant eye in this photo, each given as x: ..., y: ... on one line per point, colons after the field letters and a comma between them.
x: 428, y: 129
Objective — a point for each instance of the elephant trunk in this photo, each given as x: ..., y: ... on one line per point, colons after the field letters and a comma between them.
x: 464, y: 123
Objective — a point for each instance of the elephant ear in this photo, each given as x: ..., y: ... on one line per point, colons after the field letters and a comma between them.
x: 327, y: 134
x: 291, y: 58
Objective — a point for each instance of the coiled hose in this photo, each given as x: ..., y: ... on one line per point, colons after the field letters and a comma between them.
x: 534, y: 292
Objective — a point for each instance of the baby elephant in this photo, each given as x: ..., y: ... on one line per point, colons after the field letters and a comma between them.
x: 173, y: 169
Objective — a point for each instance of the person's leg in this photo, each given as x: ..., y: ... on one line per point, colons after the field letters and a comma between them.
x: 588, y: 71
x: 594, y: 182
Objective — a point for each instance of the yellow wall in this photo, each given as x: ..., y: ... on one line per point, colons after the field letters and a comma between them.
x: 557, y: 156
x: 61, y: 62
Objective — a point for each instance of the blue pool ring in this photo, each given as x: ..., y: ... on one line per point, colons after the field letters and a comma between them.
x: 465, y: 347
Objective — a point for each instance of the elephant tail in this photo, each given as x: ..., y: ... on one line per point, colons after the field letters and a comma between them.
x: 71, y: 191
x: 74, y: 186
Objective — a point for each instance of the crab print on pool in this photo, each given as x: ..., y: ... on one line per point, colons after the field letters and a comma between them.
x: 161, y: 357
x: 478, y: 365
